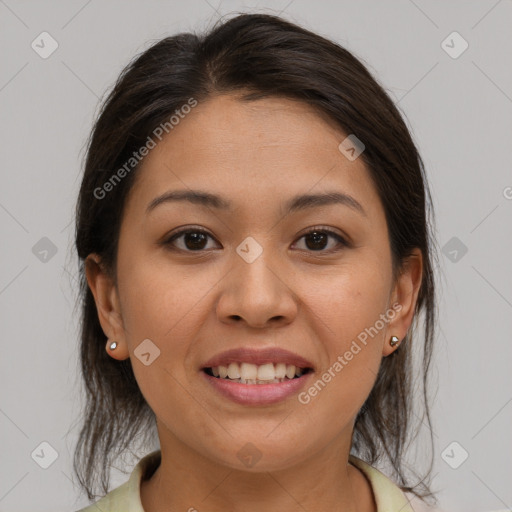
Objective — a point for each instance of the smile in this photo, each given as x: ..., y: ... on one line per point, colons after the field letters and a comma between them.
x: 248, y: 373
x: 256, y: 391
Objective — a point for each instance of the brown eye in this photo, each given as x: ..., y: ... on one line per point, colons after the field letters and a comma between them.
x: 318, y: 239
x: 315, y: 240
x: 192, y: 240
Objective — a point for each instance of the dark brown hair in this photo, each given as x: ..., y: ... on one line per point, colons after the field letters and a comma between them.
x: 257, y: 55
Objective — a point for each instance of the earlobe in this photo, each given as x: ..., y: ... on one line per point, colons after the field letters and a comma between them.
x: 104, y: 291
x: 405, y: 293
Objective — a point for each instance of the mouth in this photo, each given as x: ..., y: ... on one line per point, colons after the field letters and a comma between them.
x: 257, y: 377
x: 253, y: 374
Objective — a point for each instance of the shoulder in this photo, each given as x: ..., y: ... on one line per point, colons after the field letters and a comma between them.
x: 388, y: 496
x: 419, y: 505
x: 126, y: 497
x: 117, y: 500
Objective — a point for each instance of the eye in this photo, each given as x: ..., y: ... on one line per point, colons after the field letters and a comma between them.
x: 196, y: 239
x: 317, y: 238
x: 193, y: 239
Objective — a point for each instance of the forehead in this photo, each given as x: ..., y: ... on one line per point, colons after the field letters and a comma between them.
x: 263, y: 150
x: 226, y: 127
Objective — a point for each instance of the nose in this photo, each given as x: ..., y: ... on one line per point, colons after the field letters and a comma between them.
x: 259, y: 293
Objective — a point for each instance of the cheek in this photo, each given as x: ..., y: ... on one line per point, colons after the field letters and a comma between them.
x: 169, y: 305
x: 168, y: 311
x: 158, y: 299
x: 347, y: 301
x: 347, y: 309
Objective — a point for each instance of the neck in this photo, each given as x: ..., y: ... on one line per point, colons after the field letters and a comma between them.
x: 187, y: 480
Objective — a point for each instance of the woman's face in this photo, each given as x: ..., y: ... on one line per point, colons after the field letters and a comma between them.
x: 253, y: 280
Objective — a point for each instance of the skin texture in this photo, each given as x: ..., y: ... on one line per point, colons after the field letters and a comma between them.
x: 196, y: 304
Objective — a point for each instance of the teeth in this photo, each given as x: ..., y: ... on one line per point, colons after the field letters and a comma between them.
x: 290, y: 371
x: 223, y: 372
x: 233, y: 371
x: 266, y: 372
x: 248, y: 373
x: 280, y: 371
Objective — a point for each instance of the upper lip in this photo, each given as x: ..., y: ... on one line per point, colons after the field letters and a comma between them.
x: 257, y: 357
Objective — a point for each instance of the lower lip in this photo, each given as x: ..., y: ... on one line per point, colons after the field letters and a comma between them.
x: 257, y: 394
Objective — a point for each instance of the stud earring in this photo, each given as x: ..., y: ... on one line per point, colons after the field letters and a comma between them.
x: 394, y: 341
x: 113, y: 345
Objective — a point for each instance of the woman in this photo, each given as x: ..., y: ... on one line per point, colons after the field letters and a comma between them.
x: 255, y: 246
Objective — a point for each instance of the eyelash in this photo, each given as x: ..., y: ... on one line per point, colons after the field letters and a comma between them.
x: 316, y: 229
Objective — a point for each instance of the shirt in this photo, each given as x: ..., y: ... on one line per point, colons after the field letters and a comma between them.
x: 126, y: 497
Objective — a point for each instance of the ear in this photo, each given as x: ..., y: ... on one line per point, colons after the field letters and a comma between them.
x: 107, y: 304
x: 405, y: 293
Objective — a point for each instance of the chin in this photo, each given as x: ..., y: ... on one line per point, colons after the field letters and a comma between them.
x: 259, y: 454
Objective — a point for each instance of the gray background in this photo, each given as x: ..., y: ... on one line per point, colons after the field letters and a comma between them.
x: 459, y: 111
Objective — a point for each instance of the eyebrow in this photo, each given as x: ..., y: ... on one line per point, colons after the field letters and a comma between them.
x: 297, y: 203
